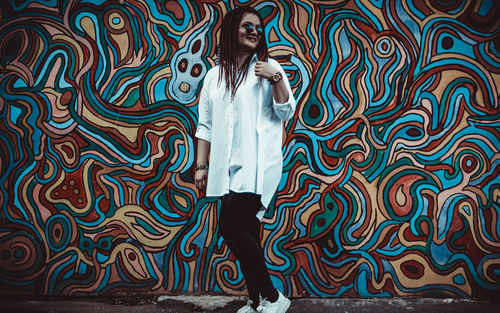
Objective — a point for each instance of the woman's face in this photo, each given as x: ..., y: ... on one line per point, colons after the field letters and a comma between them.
x: 249, y: 33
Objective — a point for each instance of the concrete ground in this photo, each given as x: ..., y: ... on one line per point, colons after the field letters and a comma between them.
x: 225, y: 304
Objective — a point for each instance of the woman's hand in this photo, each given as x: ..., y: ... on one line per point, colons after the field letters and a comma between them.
x: 200, y: 179
x: 201, y: 175
x: 264, y: 70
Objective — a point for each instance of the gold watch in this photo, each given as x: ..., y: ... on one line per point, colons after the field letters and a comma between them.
x: 275, y: 78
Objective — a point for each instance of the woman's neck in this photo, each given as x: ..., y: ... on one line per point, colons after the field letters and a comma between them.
x: 241, y: 58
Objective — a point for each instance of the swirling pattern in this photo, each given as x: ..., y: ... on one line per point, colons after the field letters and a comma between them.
x: 391, y: 179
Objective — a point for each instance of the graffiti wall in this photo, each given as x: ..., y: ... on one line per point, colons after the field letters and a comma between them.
x: 390, y: 184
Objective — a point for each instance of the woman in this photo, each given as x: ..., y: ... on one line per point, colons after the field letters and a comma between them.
x: 242, y: 105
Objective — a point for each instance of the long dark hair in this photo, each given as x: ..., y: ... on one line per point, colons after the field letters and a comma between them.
x: 228, y: 46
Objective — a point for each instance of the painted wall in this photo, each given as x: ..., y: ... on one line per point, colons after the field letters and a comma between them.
x: 391, y: 174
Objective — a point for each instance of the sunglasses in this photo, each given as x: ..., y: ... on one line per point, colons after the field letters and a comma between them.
x: 249, y: 27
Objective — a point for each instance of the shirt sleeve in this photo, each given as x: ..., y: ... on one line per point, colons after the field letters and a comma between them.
x: 285, y: 110
x: 204, y: 129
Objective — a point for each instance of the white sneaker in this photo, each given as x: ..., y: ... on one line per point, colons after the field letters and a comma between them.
x: 279, y: 306
x: 247, y: 308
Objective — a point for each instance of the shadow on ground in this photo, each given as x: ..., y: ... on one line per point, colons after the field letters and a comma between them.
x: 225, y: 304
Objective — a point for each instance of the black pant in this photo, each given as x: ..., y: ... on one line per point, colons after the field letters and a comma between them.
x: 240, y: 229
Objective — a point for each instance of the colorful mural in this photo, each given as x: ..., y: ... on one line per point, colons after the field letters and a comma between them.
x: 391, y: 178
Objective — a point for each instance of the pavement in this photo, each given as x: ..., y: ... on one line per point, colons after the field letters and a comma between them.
x: 226, y: 304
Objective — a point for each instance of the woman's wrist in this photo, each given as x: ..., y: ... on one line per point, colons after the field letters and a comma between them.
x: 201, y: 167
x: 275, y: 78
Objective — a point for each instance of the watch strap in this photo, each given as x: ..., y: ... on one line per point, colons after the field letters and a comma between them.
x: 275, y: 78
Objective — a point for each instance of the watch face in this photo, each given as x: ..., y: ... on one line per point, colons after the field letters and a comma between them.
x: 275, y: 78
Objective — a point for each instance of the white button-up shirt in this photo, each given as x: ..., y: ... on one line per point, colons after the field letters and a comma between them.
x: 245, y: 133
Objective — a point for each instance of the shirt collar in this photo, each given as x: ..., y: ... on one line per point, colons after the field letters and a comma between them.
x: 254, y: 58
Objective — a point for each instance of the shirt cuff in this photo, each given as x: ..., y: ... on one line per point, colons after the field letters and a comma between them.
x: 285, y: 110
x: 204, y: 135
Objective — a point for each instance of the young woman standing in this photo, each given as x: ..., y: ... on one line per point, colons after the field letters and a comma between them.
x: 242, y: 105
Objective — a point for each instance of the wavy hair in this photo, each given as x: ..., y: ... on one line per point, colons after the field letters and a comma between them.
x: 228, y: 46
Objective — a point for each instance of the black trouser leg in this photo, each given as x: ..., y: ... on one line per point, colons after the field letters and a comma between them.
x: 240, y: 229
